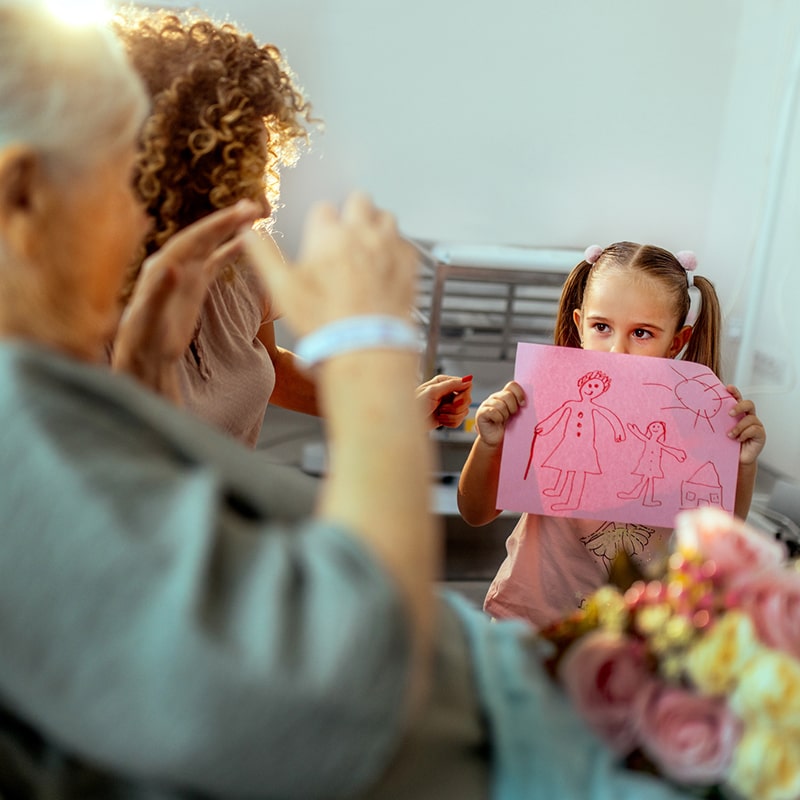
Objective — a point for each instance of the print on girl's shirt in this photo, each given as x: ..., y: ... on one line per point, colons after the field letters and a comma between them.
x: 614, y: 538
x: 622, y: 437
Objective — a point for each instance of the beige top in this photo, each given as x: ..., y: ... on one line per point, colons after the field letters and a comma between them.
x: 554, y: 563
x: 226, y: 374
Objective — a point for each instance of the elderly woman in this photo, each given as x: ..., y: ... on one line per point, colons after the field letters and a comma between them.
x: 175, y: 622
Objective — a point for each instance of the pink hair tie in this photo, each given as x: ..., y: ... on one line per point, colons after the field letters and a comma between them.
x: 688, y: 260
x: 592, y: 253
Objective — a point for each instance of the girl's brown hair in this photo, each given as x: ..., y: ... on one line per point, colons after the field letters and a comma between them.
x: 663, y: 266
x: 215, y: 92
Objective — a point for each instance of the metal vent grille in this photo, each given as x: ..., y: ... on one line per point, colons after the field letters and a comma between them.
x: 476, y: 303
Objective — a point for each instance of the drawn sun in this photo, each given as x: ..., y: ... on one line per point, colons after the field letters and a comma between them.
x: 700, y: 395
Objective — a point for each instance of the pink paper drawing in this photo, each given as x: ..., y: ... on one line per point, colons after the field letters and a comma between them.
x: 703, y: 488
x: 699, y: 395
x: 575, y: 455
x: 649, y: 466
x: 617, y: 437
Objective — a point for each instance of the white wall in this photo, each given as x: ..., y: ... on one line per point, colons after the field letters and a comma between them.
x: 753, y: 251
x: 565, y: 123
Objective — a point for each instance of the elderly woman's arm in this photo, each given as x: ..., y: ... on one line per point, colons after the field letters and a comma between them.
x: 354, y: 264
x: 351, y: 264
x: 185, y: 609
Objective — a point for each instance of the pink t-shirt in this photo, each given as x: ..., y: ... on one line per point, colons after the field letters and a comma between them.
x: 226, y: 374
x: 554, y: 563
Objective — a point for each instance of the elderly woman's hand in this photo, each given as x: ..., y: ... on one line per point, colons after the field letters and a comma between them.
x: 161, y: 317
x: 351, y: 263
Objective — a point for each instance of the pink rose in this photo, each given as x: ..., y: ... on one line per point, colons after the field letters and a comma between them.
x: 733, y: 546
x: 604, y: 674
x: 771, y: 598
x: 689, y: 737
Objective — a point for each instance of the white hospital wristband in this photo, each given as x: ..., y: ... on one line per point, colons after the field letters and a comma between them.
x: 371, y: 332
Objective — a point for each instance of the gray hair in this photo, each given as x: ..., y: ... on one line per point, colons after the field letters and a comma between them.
x: 66, y: 91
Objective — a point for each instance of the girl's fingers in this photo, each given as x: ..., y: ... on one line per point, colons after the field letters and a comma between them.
x: 746, y: 407
x: 734, y: 391
x: 499, y: 409
x: 516, y: 391
x: 748, y: 428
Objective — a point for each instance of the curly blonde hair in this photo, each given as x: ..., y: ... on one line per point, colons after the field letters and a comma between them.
x: 226, y: 115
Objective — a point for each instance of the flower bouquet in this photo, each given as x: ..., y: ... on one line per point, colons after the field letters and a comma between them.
x: 694, y: 674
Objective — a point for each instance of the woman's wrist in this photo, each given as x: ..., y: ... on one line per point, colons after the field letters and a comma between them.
x: 159, y: 376
x: 489, y: 447
x: 351, y: 334
x: 747, y: 469
x: 379, y: 380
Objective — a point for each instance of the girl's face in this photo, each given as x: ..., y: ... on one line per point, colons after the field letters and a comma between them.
x: 626, y: 312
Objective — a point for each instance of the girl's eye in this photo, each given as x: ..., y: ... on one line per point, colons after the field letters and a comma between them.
x: 641, y: 333
x: 601, y: 327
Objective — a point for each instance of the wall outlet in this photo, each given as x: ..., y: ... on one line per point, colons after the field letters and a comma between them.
x: 733, y: 329
x: 768, y: 367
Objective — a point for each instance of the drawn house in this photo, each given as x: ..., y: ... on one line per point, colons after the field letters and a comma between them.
x: 702, y: 489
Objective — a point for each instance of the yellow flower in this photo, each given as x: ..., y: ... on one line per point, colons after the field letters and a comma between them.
x: 652, y: 618
x: 611, y: 609
x: 715, y: 661
x: 766, y: 765
x: 769, y: 691
x: 676, y: 633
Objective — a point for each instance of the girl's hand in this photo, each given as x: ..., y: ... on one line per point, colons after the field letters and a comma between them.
x: 749, y: 430
x: 495, y: 411
x: 445, y: 399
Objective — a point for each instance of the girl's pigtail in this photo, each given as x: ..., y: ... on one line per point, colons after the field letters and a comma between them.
x: 565, y: 333
x: 704, y: 344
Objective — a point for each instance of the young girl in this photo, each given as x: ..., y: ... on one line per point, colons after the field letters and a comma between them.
x: 627, y: 298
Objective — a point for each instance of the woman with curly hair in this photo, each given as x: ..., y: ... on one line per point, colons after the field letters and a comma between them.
x: 226, y: 115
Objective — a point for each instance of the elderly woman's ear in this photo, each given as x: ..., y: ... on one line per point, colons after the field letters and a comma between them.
x: 20, y: 199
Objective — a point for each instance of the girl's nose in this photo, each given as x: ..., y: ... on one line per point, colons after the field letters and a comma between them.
x: 619, y: 344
